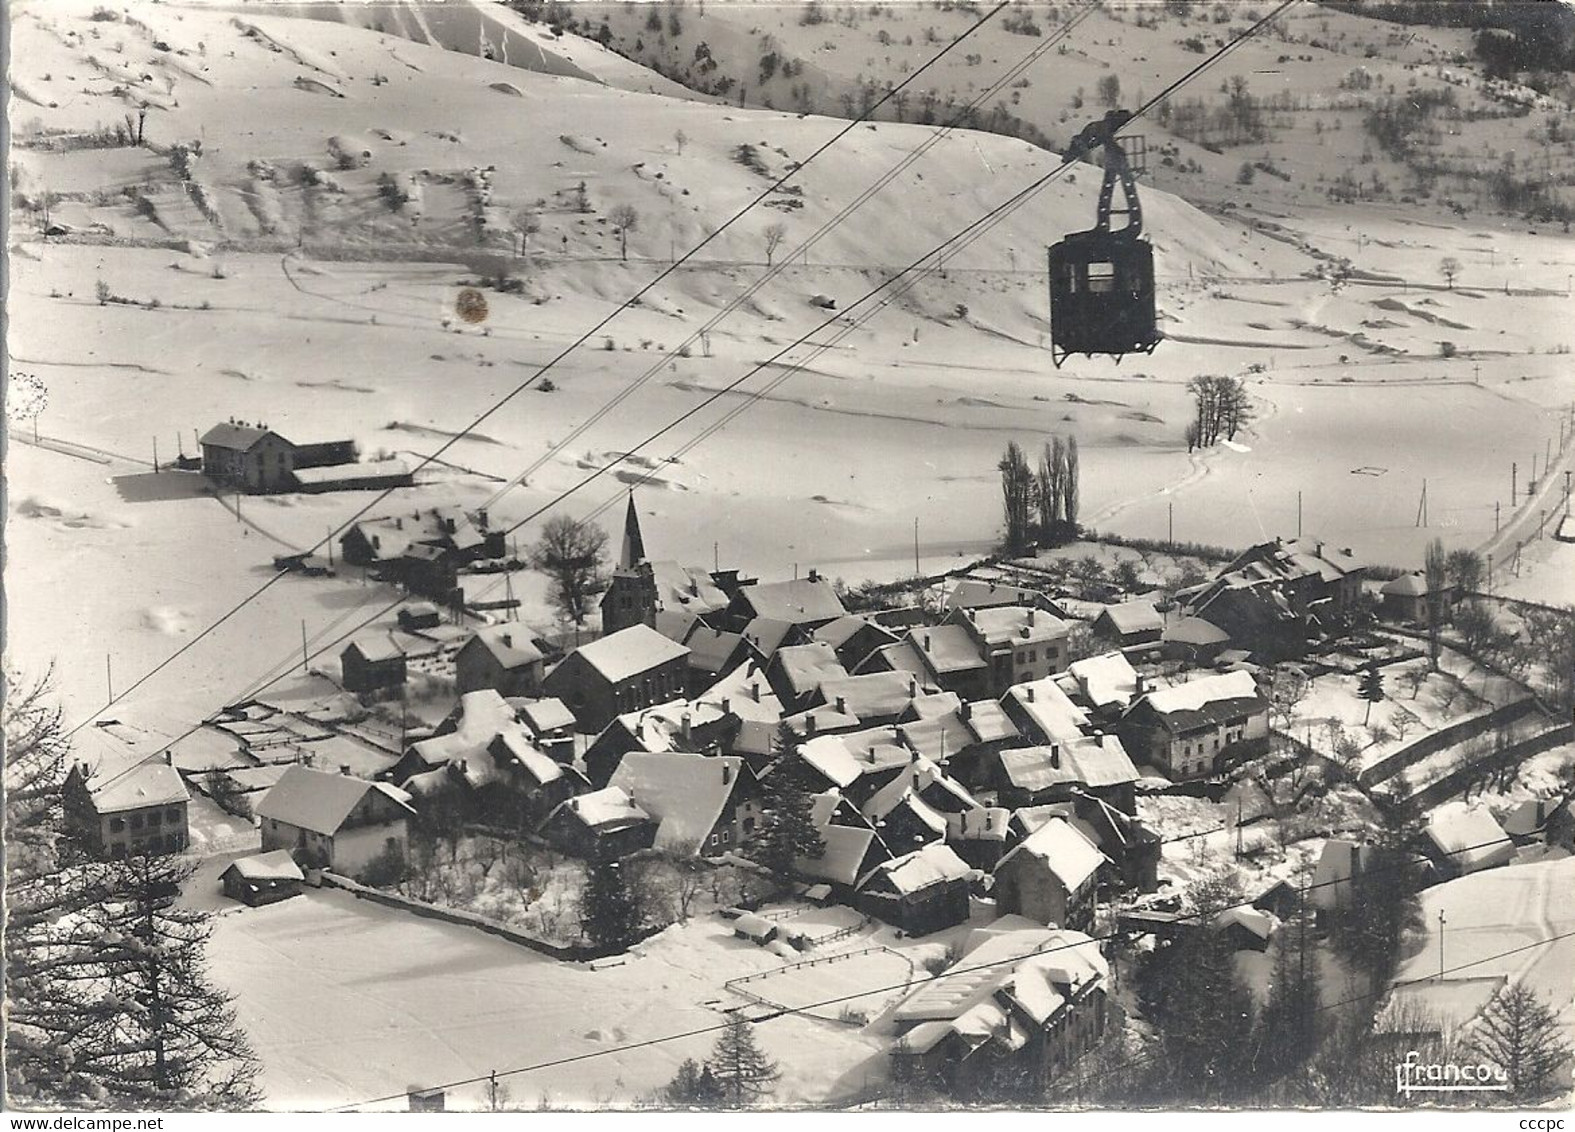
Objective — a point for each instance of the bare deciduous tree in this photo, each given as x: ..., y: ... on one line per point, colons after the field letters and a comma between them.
x: 573, y: 555
x: 624, y: 220
x: 1449, y: 267
x: 774, y: 235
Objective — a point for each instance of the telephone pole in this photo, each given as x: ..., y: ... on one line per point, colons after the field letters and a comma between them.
x: 1299, y: 508
x: 304, y: 670
x: 1421, y: 510
x: 916, y: 571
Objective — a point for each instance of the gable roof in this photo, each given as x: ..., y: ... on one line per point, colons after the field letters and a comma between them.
x: 688, y: 588
x: 516, y: 746
x: 797, y: 602
x: 1409, y: 585
x: 480, y: 717
x: 1047, y: 708
x: 1208, y: 699
x: 1093, y: 761
x: 1016, y: 624
x: 1196, y: 631
x: 974, y: 593
x: 629, y: 652
x: 511, y: 644
x: 1470, y: 836
x: 873, y: 695
x: 686, y: 794
x: 711, y: 650
x: 947, y: 649
x: 603, y: 811
x: 847, y: 848
x: 1062, y: 849
x: 237, y: 437
x: 766, y: 635
x: 376, y: 648
x: 988, y: 721
x: 934, y: 864
x: 550, y: 714
x: 1106, y: 680
x: 318, y: 801
x: 1135, y: 617
x: 805, y: 667
x: 150, y: 784
x: 274, y: 865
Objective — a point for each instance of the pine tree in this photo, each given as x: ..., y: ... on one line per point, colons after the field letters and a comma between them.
x: 1371, y: 688
x: 787, y: 831
x: 1520, y: 1033
x: 1372, y: 926
x: 1287, y: 1028
x: 743, y: 1072
x: 174, y: 1040
x: 1204, y: 1014
x: 693, y: 1084
x: 607, y: 907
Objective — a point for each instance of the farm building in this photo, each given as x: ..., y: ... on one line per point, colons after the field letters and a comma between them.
x: 248, y: 457
x: 920, y: 892
x: 334, y: 821
x: 1050, y: 877
x: 625, y: 671
x: 1130, y: 624
x: 674, y: 726
x: 703, y: 805
x: 265, y: 878
x: 420, y: 615
x: 602, y: 825
x: 373, y: 667
x: 504, y: 658
x: 138, y: 810
x: 551, y: 725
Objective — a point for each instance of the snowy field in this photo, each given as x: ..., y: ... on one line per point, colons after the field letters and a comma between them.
x: 346, y: 1000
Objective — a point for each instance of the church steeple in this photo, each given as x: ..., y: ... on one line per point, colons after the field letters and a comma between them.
x: 632, y: 551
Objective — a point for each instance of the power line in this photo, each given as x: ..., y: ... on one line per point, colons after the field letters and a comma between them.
x: 626, y: 304
x: 782, y: 1012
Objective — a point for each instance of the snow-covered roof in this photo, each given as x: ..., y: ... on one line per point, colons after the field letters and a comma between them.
x: 766, y: 634
x: 275, y: 865
x: 1195, y: 695
x: 629, y: 652
x: 346, y: 473
x: 1408, y: 585
x: 550, y: 714
x: 806, y: 667
x: 830, y: 756
x: 606, y: 808
x: 149, y: 784
x: 518, y: 746
x: 797, y: 602
x: 934, y: 864
x: 686, y: 794
x: 511, y: 644
x: 686, y: 587
x: 1106, y: 680
x: 1135, y: 617
x: 755, y: 927
x: 1017, y: 625
x: 1048, y: 708
x: 974, y: 593
x: 988, y: 721
x: 947, y: 648
x: 482, y: 715
x: 1470, y: 836
x: 846, y: 848
x: 237, y: 437
x: 1094, y: 761
x: 1259, y: 923
x: 1066, y: 852
x: 320, y: 802
x: 710, y: 650
x: 1196, y: 631
x: 874, y: 695
x: 376, y: 647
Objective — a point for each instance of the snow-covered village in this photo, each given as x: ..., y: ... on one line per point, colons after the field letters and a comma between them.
x: 835, y: 554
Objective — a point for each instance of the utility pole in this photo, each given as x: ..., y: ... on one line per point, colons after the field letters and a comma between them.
x: 716, y: 557
x: 155, y: 455
x: 1441, y: 922
x: 1476, y: 372
x: 1514, y: 483
x: 109, y: 680
x: 1170, y: 511
x: 304, y: 669
x: 329, y: 543
x: 1542, y: 517
x: 1421, y: 510
x: 1490, y: 574
x: 1299, y: 508
x: 1495, y: 516
x: 916, y: 571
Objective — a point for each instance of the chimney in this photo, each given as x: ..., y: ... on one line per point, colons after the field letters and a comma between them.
x: 872, y: 752
x: 1030, y: 693
x: 1026, y: 631
x: 399, y: 524
x: 344, y: 769
x: 913, y: 688
x: 684, y: 723
x: 1055, y: 756
x: 926, y: 642
x: 508, y: 640
x: 464, y: 765
x: 973, y: 614
x: 966, y: 710
x: 814, y: 574
x: 1030, y: 616
x: 727, y: 772
x: 169, y: 760
x: 842, y: 705
x: 481, y: 517
x: 727, y: 705
x: 754, y: 691
x: 1142, y: 684
x: 377, y: 543
x: 809, y: 726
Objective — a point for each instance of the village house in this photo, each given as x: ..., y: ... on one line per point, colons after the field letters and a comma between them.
x: 1130, y: 624
x: 713, y: 653
x: 1245, y: 929
x: 677, y: 725
x: 628, y: 670
x: 551, y: 726
x: 247, y: 457
x: 334, y: 821
x: 140, y: 810
x: 852, y: 851
x: 876, y: 699
x: 1194, y: 640
x: 1026, y: 1004
x: 504, y: 658
x: 1050, y: 877
x: 1406, y: 599
x: 384, y: 542
x: 1042, y: 712
x: 603, y: 825
x: 1340, y: 863
x: 1193, y: 730
x: 795, y: 672
x: 465, y: 733
x: 419, y: 615
x: 767, y: 636
x: 745, y: 695
x: 953, y: 660
x: 853, y: 638
x: 920, y: 892
x: 527, y: 784
x: 1254, y: 614
x: 975, y: 593
x: 1461, y: 839
x: 704, y: 806
x: 1310, y: 572
x: 1018, y: 644
x: 806, y: 603
x: 265, y: 878
x: 1097, y: 765
x: 1132, y: 847
x: 1107, y: 683
x: 373, y: 668
x: 918, y: 806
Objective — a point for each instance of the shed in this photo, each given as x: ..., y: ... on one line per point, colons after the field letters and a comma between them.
x: 755, y: 928
x: 263, y: 879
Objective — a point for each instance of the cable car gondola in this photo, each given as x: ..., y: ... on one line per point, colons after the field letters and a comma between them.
x: 1102, y: 281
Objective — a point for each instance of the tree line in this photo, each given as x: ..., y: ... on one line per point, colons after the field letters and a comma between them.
x: 1041, y: 504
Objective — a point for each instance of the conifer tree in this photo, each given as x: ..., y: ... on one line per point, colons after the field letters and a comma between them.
x: 1518, y: 1032
x: 743, y: 1072
x: 1371, y: 688
x: 1287, y: 1028
x: 608, y: 908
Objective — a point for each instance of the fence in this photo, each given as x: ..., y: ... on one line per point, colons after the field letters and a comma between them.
x: 1436, y: 741
x: 1458, y: 779
x: 570, y: 952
